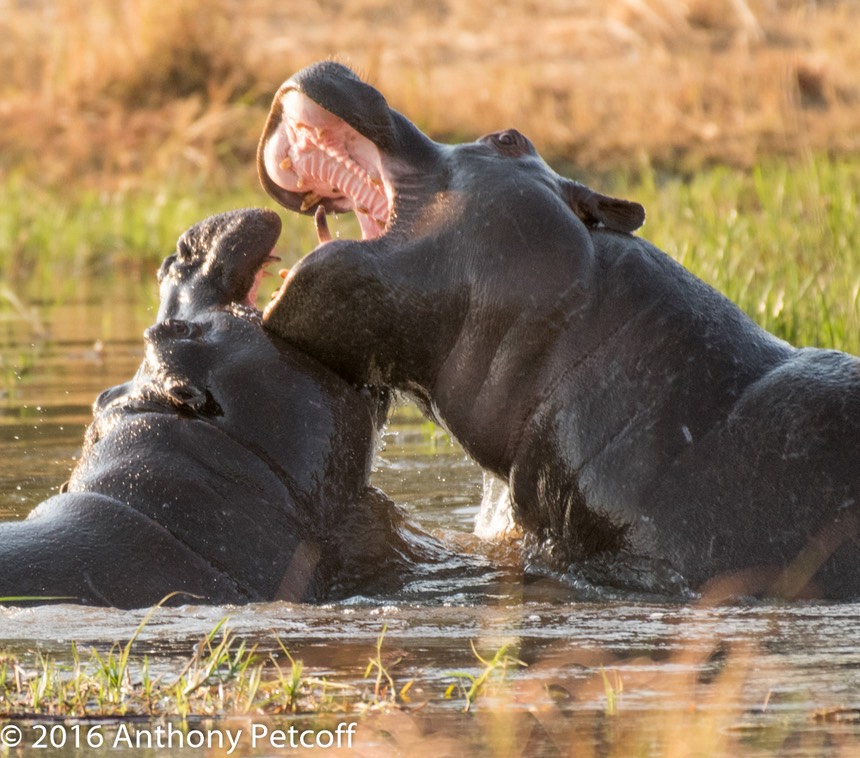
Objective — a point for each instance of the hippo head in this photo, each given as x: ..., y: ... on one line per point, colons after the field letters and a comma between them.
x: 251, y: 454
x: 208, y: 359
x: 332, y: 144
x: 218, y: 263
x: 458, y: 241
x: 208, y: 314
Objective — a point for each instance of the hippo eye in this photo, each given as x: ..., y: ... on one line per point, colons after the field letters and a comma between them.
x: 180, y: 329
x: 511, y: 143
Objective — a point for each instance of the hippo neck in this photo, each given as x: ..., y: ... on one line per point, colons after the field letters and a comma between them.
x: 493, y: 375
x: 667, y: 359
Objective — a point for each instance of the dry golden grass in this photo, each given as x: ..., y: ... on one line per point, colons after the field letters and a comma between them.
x: 119, y: 93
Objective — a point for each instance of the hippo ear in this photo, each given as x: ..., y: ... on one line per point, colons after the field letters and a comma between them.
x: 188, y: 397
x: 595, y: 209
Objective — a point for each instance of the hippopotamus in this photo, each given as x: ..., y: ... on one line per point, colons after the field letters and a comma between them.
x: 231, y: 468
x: 629, y: 408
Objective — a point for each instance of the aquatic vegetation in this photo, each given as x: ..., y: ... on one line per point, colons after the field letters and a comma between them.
x: 223, y: 675
x: 695, y: 700
x: 384, y: 690
x: 614, y: 689
x: 473, y: 686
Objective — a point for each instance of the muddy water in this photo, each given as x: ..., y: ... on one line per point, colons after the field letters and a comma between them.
x: 602, y: 677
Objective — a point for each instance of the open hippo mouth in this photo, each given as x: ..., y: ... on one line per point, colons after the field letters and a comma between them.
x: 219, y: 264
x: 320, y: 149
x: 332, y: 144
x: 217, y: 267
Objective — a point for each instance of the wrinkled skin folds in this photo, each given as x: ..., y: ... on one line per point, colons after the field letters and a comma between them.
x: 629, y: 408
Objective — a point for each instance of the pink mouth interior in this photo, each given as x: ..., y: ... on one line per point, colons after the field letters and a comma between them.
x: 314, y: 153
x: 251, y: 296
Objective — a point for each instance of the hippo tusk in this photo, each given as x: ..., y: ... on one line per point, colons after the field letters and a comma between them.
x: 321, y: 224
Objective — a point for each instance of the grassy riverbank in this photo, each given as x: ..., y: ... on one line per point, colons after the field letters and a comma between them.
x: 498, y: 705
x: 781, y: 239
x: 735, y: 123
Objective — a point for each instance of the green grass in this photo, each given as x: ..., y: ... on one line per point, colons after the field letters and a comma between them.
x: 782, y: 240
x: 51, y: 241
x: 473, y: 686
x: 223, y: 675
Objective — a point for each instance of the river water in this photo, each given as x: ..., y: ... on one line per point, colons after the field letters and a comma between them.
x: 602, y: 677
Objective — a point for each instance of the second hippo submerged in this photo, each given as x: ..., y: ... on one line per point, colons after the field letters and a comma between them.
x: 232, y: 468
x: 630, y: 408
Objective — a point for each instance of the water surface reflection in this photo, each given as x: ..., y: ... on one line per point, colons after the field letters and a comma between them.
x: 610, y: 678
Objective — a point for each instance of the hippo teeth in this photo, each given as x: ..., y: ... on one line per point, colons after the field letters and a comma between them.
x: 324, y: 170
x: 321, y: 224
x: 316, y: 154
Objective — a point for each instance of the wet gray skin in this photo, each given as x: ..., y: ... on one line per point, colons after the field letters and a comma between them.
x: 634, y: 413
x: 232, y: 468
